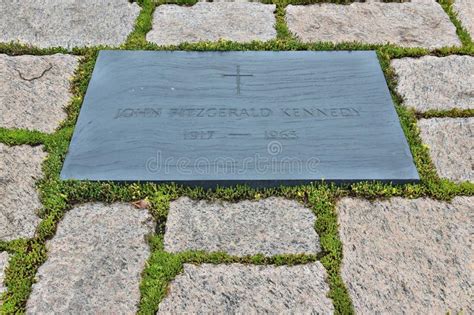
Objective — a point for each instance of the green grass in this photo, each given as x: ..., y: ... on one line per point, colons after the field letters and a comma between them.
x: 453, y: 113
x: 59, y: 196
x: 462, y: 33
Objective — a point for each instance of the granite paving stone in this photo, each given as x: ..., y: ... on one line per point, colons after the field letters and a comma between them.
x: 35, y: 90
x: 270, y: 226
x: 248, y: 289
x: 67, y: 23
x: 434, y: 83
x: 451, y: 146
x: 410, y: 24
x: 3, y: 265
x: 94, y: 262
x: 465, y: 13
x: 20, y: 168
x: 235, y: 21
x: 403, y: 256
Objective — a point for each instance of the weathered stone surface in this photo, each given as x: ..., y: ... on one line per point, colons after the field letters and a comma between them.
x: 406, y: 256
x: 436, y: 83
x: 240, y: 22
x: 35, y: 89
x: 247, y: 289
x: 465, y: 12
x: 412, y: 24
x: 451, y: 146
x: 3, y: 265
x: 271, y: 226
x: 94, y: 262
x: 67, y: 23
x: 20, y: 167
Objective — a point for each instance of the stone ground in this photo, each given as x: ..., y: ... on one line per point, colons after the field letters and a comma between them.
x: 106, y: 243
x: 408, y: 256
x: 272, y: 226
x: 247, y: 289
x: 410, y: 24
x: 36, y: 90
x: 451, y: 145
x: 92, y: 248
x: 20, y: 167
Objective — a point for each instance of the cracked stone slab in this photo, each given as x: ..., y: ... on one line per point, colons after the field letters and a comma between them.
x: 94, y: 262
x: 20, y: 168
x: 270, y: 226
x: 67, y: 23
x: 235, y: 21
x: 248, y: 289
x: 410, y: 24
x: 434, y: 83
x: 451, y: 146
x: 3, y: 266
x: 403, y: 256
x: 465, y: 12
x: 35, y: 90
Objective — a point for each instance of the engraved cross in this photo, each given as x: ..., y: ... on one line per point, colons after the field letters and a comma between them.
x: 237, y: 76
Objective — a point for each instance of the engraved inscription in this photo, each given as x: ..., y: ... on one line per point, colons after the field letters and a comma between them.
x: 238, y: 76
x: 287, y: 134
x: 238, y: 113
x: 300, y: 112
x: 146, y: 112
x: 220, y: 112
x: 199, y: 134
x: 235, y: 134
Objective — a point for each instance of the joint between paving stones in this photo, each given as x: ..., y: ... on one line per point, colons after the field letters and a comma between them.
x: 462, y: 33
x: 172, y: 263
x: 53, y: 216
x: 453, y: 113
x: 136, y: 39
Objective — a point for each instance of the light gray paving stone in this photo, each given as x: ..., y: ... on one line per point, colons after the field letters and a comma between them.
x: 35, y: 90
x: 405, y: 256
x: 451, y: 146
x: 411, y: 24
x: 270, y: 226
x: 465, y: 12
x: 3, y: 266
x: 67, y: 23
x: 235, y: 21
x: 436, y: 83
x: 248, y: 289
x: 20, y: 168
x: 94, y: 262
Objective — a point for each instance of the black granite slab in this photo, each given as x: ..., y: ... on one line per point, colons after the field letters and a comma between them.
x: 225, y: 118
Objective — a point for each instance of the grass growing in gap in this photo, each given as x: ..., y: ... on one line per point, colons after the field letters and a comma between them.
x: 446, y: 113
x: 57, y: 196
x: 462, y: 33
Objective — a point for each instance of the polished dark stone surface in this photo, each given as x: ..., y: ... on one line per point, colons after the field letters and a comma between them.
x: 225, y: 118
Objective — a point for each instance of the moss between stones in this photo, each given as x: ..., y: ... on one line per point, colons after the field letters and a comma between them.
x: 462, y: 33
x: 453, y: 113
x: 57, y: 196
